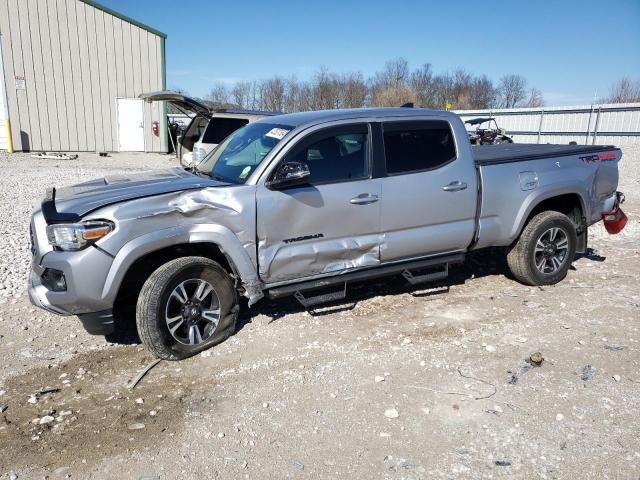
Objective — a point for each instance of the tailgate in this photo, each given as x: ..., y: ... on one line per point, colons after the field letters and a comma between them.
x: 181, y: 102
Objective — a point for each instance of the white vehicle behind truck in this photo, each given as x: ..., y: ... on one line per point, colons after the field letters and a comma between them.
x: 207, y: 127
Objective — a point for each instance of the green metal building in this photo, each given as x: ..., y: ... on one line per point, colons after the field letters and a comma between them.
x: 70, y: 75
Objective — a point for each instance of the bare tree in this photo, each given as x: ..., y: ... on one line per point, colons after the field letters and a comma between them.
x: 512, y: 90
x: 324, y: 90
x: 535, y: 98
x: 305, y: 97
x: 394, y: 96
x: 461, y: 92
x: 240, y: 93
x: 624, y: 90
x: 273, y: 94
x: 394, y: 85
x: 483, y: 93
x: 292, y: 95
x: 352, y: 90
x: 421, y: 81
x: 443, y: 90
x: 218, y: 96
x: 394, y: 74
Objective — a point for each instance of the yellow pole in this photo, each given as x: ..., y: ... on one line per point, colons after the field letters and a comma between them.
x: 7, y: 124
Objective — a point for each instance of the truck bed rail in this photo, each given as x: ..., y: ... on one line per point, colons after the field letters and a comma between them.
x: 521, y: 152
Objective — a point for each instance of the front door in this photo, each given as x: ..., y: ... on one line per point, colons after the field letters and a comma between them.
x: 330, y: 225
x: 130, y: 125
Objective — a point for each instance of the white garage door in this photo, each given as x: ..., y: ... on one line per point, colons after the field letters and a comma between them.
x: 131, y: 125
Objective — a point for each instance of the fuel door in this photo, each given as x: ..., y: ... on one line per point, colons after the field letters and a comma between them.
x: 528, y: 180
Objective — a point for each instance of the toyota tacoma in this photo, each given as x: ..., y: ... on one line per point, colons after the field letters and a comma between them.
x: 303, y: 204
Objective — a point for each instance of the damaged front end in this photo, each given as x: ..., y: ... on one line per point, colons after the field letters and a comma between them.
x: 158, y: 210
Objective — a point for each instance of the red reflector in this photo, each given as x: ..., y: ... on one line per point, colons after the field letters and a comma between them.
x: 614, y: 221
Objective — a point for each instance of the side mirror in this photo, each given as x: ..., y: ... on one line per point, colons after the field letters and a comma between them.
x: 290, y: 174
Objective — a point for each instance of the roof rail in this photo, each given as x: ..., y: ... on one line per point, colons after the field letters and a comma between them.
x: 246, y: 112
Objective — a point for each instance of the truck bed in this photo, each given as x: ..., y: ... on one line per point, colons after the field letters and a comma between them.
x: 519, y: 152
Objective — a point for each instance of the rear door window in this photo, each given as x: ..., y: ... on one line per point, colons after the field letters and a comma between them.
x: 220, y: 128
x: 417, y: 146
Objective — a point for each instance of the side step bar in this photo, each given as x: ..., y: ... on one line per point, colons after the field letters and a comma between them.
x: 403, y: 268
x: 427, y: 277
x: 307, y: 302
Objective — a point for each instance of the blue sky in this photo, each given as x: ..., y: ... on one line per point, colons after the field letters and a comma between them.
x: 570, y: 50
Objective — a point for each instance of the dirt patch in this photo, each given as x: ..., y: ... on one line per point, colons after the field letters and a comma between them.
x: 82, y: 410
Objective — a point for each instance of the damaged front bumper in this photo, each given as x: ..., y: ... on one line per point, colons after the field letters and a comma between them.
x: 81, y: 276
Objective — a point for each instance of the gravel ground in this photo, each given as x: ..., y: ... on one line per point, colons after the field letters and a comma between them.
x: 393, y: 383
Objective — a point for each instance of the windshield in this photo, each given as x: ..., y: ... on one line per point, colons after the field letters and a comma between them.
x: 242, y: 151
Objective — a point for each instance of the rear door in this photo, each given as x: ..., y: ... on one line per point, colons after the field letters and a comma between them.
x: 429, y: 191
x: 333, y: 223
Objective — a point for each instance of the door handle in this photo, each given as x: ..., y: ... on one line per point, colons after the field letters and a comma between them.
x: 455, y: 186
x: 364, y: 199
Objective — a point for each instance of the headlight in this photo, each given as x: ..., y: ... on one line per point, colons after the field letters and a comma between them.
x: 76, y: 236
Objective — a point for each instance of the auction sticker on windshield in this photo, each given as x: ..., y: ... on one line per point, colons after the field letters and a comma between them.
x: 277, y: 133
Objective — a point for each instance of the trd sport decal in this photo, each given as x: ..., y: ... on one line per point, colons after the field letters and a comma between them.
x: 601, y: 157
x: 304, y: 237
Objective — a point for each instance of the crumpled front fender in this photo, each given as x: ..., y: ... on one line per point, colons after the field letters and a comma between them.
x: 219, y: 235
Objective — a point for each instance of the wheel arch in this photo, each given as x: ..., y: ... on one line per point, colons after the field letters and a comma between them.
x: 569, y: 203
x: 137, y: 259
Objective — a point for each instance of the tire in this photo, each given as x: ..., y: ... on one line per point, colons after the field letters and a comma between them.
x: 177, y: 295
x: 537, y: 245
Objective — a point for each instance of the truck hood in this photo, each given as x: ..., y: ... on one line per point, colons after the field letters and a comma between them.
x: 71, y: 203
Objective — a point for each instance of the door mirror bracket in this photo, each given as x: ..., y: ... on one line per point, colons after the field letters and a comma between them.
x: 289, y: 174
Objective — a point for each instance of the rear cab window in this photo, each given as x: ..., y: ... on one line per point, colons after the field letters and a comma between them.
x: 416, y: 146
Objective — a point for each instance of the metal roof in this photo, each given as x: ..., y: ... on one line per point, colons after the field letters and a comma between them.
x: 124, y: 17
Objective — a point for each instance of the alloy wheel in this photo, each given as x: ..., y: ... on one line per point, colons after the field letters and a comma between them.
x: 551, y: 250
x: 192, y: 312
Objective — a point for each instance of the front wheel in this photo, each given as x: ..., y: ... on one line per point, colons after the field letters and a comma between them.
x: 544, y: 252
x: 187, y: 305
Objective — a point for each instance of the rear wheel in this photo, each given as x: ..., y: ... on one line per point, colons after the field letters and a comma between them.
x: 544, y: 252
x: 186, y: 306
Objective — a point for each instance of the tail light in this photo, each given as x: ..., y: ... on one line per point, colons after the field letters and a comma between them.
x: 615, y: 220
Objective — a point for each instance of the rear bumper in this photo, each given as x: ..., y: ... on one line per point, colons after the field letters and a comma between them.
x: 612, y: 202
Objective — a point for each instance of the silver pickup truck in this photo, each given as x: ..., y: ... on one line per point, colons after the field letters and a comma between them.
x: 303, y: 204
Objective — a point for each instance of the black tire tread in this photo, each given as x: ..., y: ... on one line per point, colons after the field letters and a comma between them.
x: 519, y: 257
x: 150, y: 296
